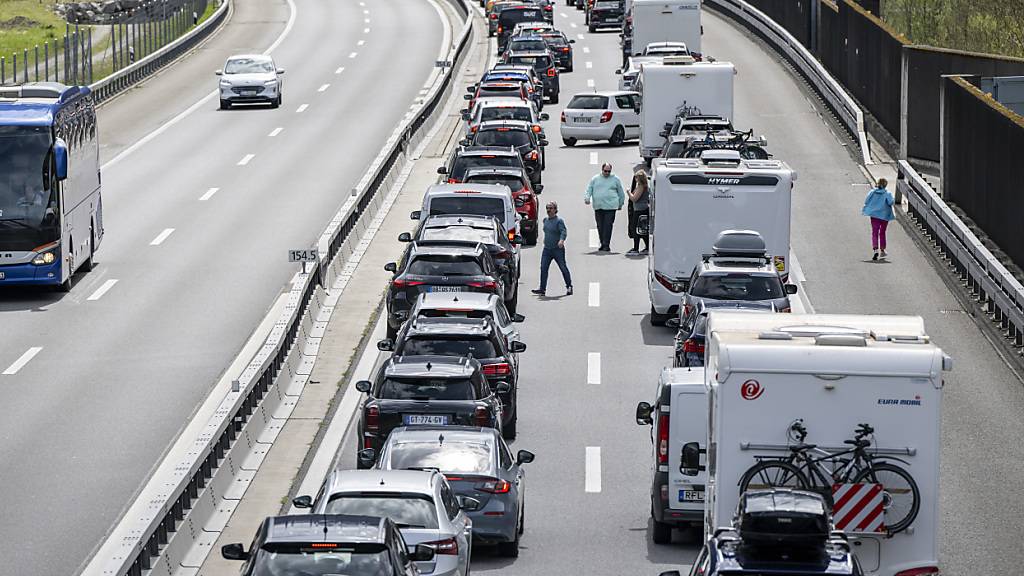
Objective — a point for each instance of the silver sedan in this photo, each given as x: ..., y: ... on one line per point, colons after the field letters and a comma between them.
x: 250, y: 78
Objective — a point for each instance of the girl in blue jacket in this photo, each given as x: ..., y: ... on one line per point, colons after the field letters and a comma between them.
x: 878, y: 206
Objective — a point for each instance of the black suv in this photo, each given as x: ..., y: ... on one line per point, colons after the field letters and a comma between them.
x: 519, y: 135
x: 470, y: 230
x: 693, y: 327
x: 464, y: 158
x: 561, y: 47
x: 605, y: 13
x: 543, y: 63
x: 328, y: 544
x: 438, y: 267
x: 509, y: 17
x: 432, y: 390
x: 478, y: 338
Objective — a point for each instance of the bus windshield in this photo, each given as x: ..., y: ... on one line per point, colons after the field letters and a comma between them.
x: 27, y: 209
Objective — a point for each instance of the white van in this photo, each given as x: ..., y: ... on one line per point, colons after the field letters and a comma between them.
x: 666, y: 20
x: 832, y: 374
x: 679, y: 86
x: 695, y: 199
x: 677, y: 418
x: 483, y: 199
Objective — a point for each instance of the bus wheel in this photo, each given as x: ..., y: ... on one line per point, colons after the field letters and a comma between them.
x: 89, y: 264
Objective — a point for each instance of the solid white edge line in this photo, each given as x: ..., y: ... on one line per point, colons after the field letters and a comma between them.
x: 161, y: 237
x: 593, y: 158
x: 594, y: 240
x: 202, y: 101
x: 209, y: 194
x: 22, y: 360
x: 106, y: 286
x: 593, y: 368
x: 594, y: 295
x: 592, y: 483
x: 246, y: 159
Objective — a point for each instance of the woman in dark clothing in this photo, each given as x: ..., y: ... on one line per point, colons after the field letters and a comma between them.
x: 639, y: 212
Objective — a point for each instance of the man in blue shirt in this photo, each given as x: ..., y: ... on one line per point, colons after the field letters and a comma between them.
x: 555, y: 234
x: 606, y: 195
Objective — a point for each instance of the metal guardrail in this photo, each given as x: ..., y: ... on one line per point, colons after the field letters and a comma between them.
x: 824, y: 83
x: 997, y: 291
x: 235, y: 440
x: 145, y: 67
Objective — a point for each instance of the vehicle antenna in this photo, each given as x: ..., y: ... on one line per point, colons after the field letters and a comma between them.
x: 429, y: 365
x: 440, y: 438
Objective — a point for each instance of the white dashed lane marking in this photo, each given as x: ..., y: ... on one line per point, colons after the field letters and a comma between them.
x: 339, y: 70
x: 22, y: 360
x: 590, y: 82
x: 106, y: 286
x: 275, y: 131
x: 594, y: 368
x: 593, y: 158
x: 246, y: 159
x: 161, y: 237
x: 301, y: 108
x: 353, y: 54
x: 592, y: 482
x: 590, y: 64
x: 323, y: 88
x: 209, y: 193
x: 594, y: 239
x: 594, y: 296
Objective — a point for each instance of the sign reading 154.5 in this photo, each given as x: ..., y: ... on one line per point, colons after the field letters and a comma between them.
x: 309, y: 255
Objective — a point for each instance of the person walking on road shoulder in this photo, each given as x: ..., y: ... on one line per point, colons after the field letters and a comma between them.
x: 639, y: 211
x: 878, y: 207
x: 555, y: 234
x: 606, y: 195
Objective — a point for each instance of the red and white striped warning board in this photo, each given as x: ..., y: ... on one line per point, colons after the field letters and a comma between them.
x: 858, y: 507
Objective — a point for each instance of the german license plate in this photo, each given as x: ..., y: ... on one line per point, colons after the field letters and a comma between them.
x: 429, y: 419
x: 691, y: 495
x: 445, y: 288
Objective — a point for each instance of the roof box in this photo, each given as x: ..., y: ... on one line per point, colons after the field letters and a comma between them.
x: 782, y: 518
x: 744, y: 243
x: 718, y: 155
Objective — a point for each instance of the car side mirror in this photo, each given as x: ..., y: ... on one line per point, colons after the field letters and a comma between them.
x: 367, y: 457
x: 302, y: 501
x: 280, y: 70
x: 518, y: 318
x: 517, y: 347
x: 671, y: 573
x: 468, y: 504
x: 402, y: 315
x: 363, y: 385
x: 422, y: 553
x: 791, y: 289
x: 618, y: 70
x: 442, y: 170
x: 538, y: 188
x: 689, y: 464
x: 544, y: 116
x: 471, y: 88
x: 663, y: 133
x: 391, y: 267
x: 467, y: 96
x: 543, y: 142
x: 572, y: 41
x: 502, y: 388
x: 60, y: 157
x: 234, y: 551
x: 405, y: 237
x: 516, y: 241
x: 464, y: 142
x: 524, y: 457
x: 466, y: 116
x: 643, y: 414
x: 386, y: 345
x: 414, y: 215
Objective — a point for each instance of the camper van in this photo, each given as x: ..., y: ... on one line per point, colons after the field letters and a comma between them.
x: 665, y: 20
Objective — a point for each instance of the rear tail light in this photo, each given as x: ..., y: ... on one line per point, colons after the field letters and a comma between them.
x: 494, y: 486
x: 532, y: 155
x: 494, y: 16
x: 786, y: 309
x: 449, y: 547
x: 663, y: 439
x: 669, y: 284
x: 924, y: 571
x: 552, y: 73
x: 400, y: 283
x: 511, y: 235
x: 482, y: 418
x: 453, y: 181
x: 547, y: 8
x: 502, y: 254
x: 499, y: 369
x: 686, y: 309
x: 486, y: 284
x: 606, y: 117
x: 472, y: 129
x: 693, y: 346
x: 563, y: 117
x: 372, y: 419
x: 565, y: 49
x: 499, y: 29
x: 536, y: 128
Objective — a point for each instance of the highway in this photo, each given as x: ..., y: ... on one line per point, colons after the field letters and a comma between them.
x: 198, y: 221
x: 591, y: 517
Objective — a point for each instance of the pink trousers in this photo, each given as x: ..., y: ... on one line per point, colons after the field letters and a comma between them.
x: 878, y: 227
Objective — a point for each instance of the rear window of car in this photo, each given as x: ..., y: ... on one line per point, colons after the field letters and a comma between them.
x: 479, y: 348
x: 513, y: 182
x: 451, y: 456
x: 431, y: 313
x: 738, y: 287
x: 459, y: 233
x: 464, y: 163
x: 434, y: 265
x: 500, y: 92
x: 555, y: 40
x: 506, y: 113
x: 588, y: 102
x: 538, y: 62
x: 427, y: 389
x: 511, y: 16
x: 613, y: 5
x: 529, y: 45
x: 675, y: 150
x: 408, y: 511
x: 468, y: 204
x: 501, y: 138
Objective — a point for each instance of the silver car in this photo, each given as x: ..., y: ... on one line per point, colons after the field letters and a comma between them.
x: 420, y: 502
x: 478, y: 465
x: 468, y: 305
x: 248, y: 78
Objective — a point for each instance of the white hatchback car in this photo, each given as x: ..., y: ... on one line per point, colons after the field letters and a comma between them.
x: 250, y: 78
x: 611, y: 116
x: 421, y: 503
x: 493, y: 200
x: 487, y: 109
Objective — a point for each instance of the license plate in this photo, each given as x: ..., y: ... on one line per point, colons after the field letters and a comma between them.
x: 429, y: 419
x: 250, y: 92
x: 445, y: 289
x: 584, y: 119
x: 691, y: 495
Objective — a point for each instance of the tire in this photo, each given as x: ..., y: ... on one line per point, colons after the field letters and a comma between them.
x: 591, y: 29
x: 510, y: 549
x: 661, y: 533
x: 531, y: 238
x: 89, y: 264
x: 509, y: 431
x: 512, y: 304
x: 570, y: 142
x: 522, y: 520
x: 658, y: 319
x: 225, y: 105
x: 554, y: 98
x: 618, y: 136
x: 277, y: 102
x: 773, y: 474
x: 569, y: 69
x: 893, y: 479
x: 392, y: 333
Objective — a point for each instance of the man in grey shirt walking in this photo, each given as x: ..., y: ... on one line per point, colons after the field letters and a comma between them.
x: 555, y: 234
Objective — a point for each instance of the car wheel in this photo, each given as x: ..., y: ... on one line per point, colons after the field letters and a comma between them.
x: 392, y: 333
x: 89, y: 264
x: 554, y: 98
x: 224, y: 104
x: 510, y: 549
x: 658, y: 319
x: 569, y: 69
x: 591, y: 28
x: 618, y: 136
x: 276, y: 102
x: 509, y: 432
x: 531, y: 238
x: 514, y: 302
x: 661, y: 532
x: 570, y: 142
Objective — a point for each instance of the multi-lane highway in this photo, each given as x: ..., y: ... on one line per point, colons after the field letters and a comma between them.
x: 198, y: 222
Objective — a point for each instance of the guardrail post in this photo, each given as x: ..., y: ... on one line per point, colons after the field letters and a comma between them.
x: 90, y: 56
x: 46, y: 60
x: 24, y: 67
x: 37, y: 62
x: 3, y: 70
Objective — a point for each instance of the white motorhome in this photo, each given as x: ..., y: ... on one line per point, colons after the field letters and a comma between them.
x: 695, y: 199
x: 680, y: 86
x: 831, y: 373
x: 665, y: 20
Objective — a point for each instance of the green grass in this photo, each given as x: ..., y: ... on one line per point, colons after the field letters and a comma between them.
x: 988, y: 26
x: 27, y: 23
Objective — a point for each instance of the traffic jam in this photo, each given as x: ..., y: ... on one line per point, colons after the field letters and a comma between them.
x: 782, y: 442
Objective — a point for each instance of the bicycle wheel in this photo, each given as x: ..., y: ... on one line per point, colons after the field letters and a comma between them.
x: 901, y: 498
x: 773, y: 474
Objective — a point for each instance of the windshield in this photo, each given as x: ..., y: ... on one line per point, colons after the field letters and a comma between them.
x: 738, y: 287
x: 407, y: 510
x: 248, y: 66
x: 513, y: 182
x: 675, y: 150
x: 588, y: 102
x: 493, y: 207
x: 464, y: 163
x: 479, y: 348
x: 506, y: 113
x: 466, y: 457
x: 515, y: 138
x: 555, y: 40
x: 427, y: 389
x: 539, y: 63
x: 613, y: 5
x: 445, y: 266
x: 528, y: 45
x: 28, y: 211
x: 346, y: 560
